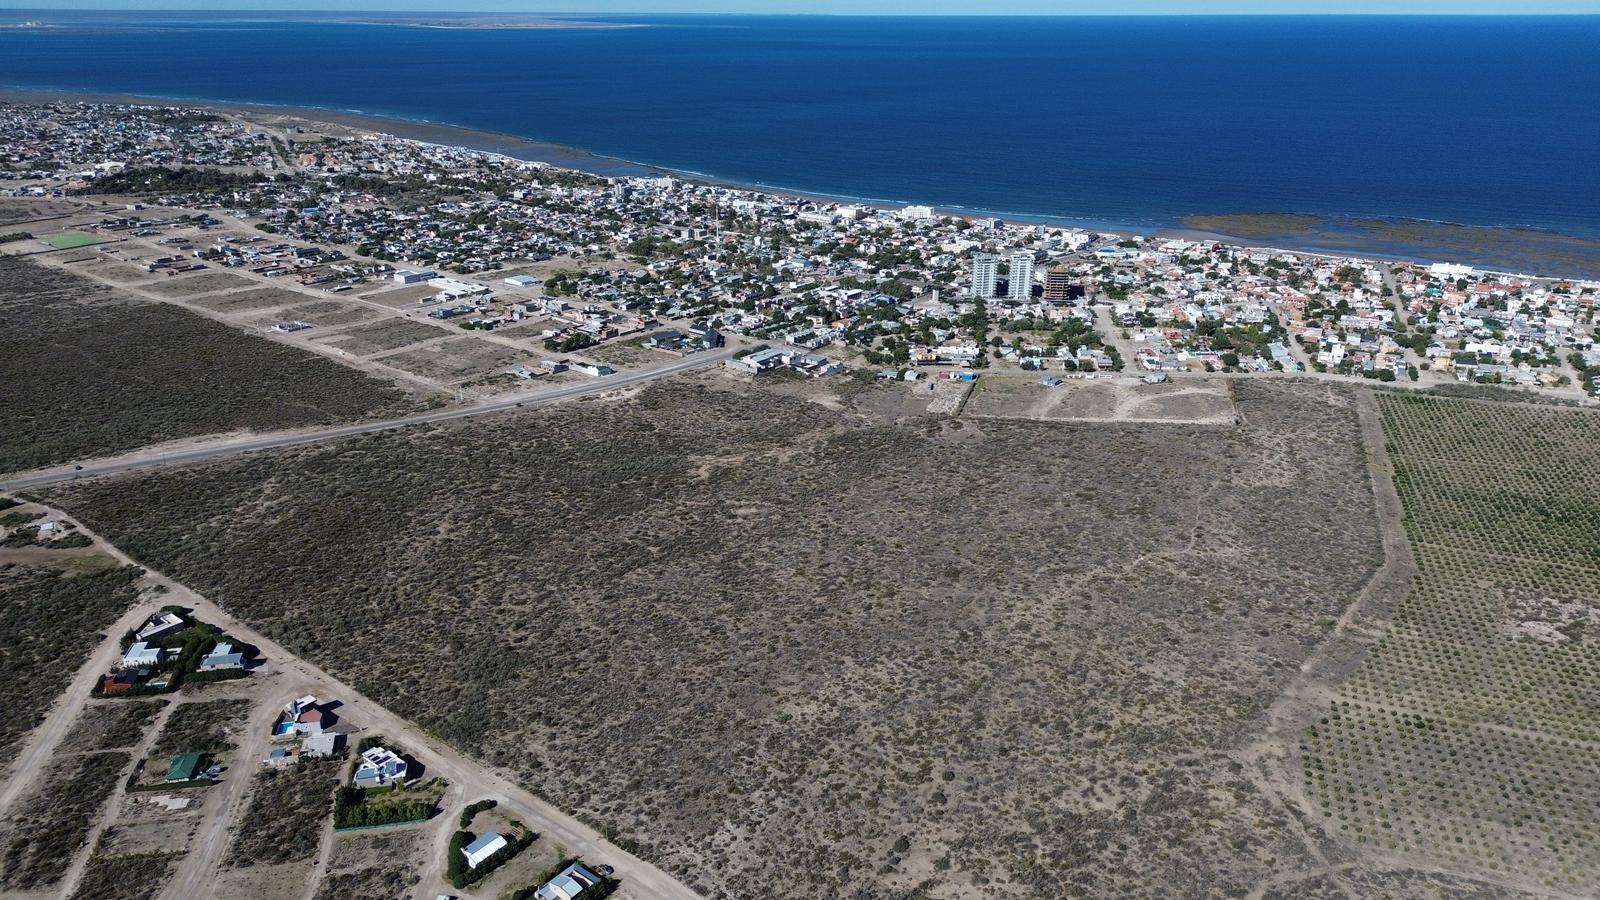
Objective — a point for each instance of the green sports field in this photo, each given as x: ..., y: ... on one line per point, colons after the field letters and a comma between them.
x: 67, y: 240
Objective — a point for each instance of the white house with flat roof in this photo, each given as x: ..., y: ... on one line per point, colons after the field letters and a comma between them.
x: 141, y: 654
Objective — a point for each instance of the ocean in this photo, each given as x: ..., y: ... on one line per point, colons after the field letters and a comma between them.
x: 1135, y: 121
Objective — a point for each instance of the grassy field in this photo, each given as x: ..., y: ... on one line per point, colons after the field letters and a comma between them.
x: 70, y: 240
x: 777, y: 639
x: 1468, y: 736
x: 89, y: 372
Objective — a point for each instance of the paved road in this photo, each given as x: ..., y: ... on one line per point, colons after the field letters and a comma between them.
x: 220, y: 449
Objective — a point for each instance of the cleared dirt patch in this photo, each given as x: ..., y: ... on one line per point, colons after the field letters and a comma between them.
x: 379, y: 337
x: 168, y: 835
x: 457, y: 358
x: 1192, y: 401
x: 180, y: 287
x: 243, y: 301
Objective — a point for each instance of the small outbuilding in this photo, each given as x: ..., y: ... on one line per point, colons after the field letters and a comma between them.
x: 484, y: 847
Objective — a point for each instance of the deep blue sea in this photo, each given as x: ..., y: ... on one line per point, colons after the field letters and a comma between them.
x: 1489, y: 121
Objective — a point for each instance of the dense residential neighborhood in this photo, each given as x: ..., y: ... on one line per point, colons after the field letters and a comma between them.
x: 493, y: 241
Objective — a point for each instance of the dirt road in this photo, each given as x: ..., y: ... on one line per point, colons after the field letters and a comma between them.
x: 640, y: 880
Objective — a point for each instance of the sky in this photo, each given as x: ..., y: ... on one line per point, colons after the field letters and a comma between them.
x: 866, y: 7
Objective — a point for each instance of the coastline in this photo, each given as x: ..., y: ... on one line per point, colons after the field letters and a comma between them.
x: 1512, y: 251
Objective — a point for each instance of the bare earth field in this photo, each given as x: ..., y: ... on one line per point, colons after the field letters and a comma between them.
x: 90, y: 372
x: 14, y: 210
x: 184, y: 286
x: 1208, y: 402
x: 323, y: 313
x: 792, y: 649
x: 244, y: 301
x: 457, y: 358
x: 379, y: 337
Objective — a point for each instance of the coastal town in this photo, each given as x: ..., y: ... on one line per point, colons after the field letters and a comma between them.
x: 386, y: 517
x: 664, y: 265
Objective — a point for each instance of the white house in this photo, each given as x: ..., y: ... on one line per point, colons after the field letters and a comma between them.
x: 483, y: 848
x: 378, y: 767
x: 159, y: 624
x: 141, y: 654
x: 568, y: 885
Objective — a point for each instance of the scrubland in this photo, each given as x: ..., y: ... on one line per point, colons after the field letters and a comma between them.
x: 785, y: 644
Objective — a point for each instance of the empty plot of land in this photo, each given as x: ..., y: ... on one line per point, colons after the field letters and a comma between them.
x: 137, y: 877
x: 288, y: 808
x: 380, y: 337
x: 375, y: 864
x: 115, y: 270
x: 52, y: 621
x: 403, y: 297
x: 183, y: 286
x: 209, y: 726
x: 242, y: 301
x: 1191, y: 401
x: 918, y: 656
x: 17, y: 209
x: 110, y: 725
x: 89, y: 371
x: 325, y: 313
x: 457, y: 358
x: 139, y: 836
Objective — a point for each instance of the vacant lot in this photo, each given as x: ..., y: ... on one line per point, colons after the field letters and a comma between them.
x: 182, y: 287
x: 50, y: 823
x: 457, y: 358
x: 136, y: 877
x: 379, y: 337
x: 258, y: 298
x: 88, y: 372
x: 110, y: 725
x: 209, y: 726
x: 51, y: 622
x: 19, y: 209
x: 288, y: 809
x: 324, y: 313
x: 374, y: 864
x: 781, y: 644
x: 1466, y: 738
x: 1204, y: 402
